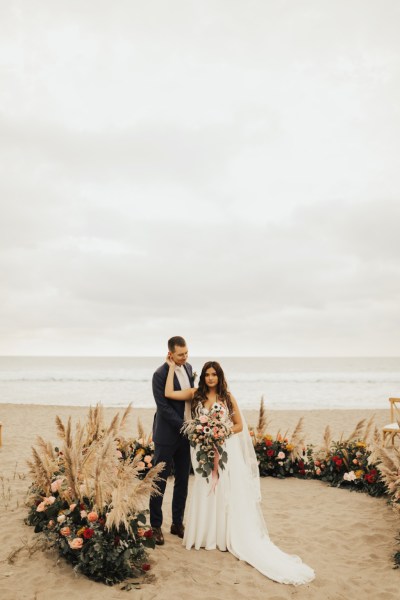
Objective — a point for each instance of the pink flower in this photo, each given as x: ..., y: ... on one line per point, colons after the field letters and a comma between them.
x: 281, y: 455
x: 92, y: 517
x: 147, y: 459
x: 41, y: 507
x: 56, y: 485
x: 83, y: 514
x: 61, y: 518
x: 76, y: 543
x: 150, y: 465
x: 141, y: 464
x: 203, y: 419
x: 72, y: 507
x: 49, y: 500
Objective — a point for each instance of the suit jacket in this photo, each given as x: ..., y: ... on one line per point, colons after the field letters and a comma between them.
x: 169, y: 416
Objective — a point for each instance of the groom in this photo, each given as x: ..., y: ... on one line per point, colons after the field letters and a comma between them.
x: 169, y: 444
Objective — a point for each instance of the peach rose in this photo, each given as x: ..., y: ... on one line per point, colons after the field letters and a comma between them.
x: 141, y: 465
x: 150, y: 465
x: 56, y: 485
x: 147, y: 459
x: 203, y: 419
x: 65, y: 531
x: 41, y: 507
x: 76, y: 543
x: 72, y: 507
x: 83, y: 514
x: 61, y: 518
x: 92, y: 516
x: 49, y: 500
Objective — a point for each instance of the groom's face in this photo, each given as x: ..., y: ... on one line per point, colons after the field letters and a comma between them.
x: 179, y: 355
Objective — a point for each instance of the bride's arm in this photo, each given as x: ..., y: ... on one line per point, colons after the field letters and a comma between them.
x: 169, y: 386
x: 236, y: 418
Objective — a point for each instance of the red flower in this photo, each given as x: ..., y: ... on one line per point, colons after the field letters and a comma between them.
x: 82, y: 506
x: 268, y: 442
x: 302, y: 472
x: 148, y: 533
x: 116, y: 540
x: 301, y: 464
x: 371, y: 476
x: 101, y: 521
x: 88, y: 533
x: 146, y: 567
x: 270, y: 452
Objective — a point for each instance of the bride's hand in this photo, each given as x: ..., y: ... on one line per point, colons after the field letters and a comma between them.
x: 169, y: 361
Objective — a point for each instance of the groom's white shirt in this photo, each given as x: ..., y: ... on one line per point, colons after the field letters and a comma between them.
x: 185, y: 385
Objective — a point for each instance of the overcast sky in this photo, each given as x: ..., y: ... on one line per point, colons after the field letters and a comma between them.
x: 223, y: 170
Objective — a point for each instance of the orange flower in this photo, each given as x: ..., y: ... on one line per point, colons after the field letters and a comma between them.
x: 92, y: 517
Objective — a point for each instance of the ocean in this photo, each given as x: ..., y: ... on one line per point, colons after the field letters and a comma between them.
x: 285, y: 383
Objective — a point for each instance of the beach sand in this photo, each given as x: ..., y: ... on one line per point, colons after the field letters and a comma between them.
x: 348, y: 538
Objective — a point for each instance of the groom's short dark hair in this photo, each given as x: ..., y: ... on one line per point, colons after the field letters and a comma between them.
x: 176, y: 341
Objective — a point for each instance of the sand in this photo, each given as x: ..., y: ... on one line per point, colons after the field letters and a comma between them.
x: 348, y: 538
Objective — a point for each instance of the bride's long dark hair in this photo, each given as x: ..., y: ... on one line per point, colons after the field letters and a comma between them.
x: 223, y: 395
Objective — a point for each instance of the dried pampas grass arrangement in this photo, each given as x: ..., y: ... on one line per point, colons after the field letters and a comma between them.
x: 90, y: 467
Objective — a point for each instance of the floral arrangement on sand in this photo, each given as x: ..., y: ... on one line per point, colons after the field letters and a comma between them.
x: 279, y: 456
x: 87, y: 499
x: 350, y: 462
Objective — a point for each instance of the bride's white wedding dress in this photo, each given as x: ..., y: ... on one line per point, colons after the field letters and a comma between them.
x: 231, y: 519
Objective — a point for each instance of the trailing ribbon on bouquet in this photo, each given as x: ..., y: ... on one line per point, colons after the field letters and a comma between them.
x: 214, y: 474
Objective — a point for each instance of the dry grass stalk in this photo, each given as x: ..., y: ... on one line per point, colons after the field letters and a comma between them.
x: 297, y: 439
x: 368, y: 428
x: 389, y: 467
x: 41, y: 468
x: 60, y: 428
x: 357, y: 433
x: 130, y: 493
x: 327, y: 439
x: 125, y: 416
x: 140, y: 430
x: 262, y: 421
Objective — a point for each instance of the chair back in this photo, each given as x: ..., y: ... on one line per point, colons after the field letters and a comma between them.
x: 395, y: 410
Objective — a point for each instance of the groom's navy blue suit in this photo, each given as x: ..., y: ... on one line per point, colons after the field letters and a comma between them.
x: 170, y: 446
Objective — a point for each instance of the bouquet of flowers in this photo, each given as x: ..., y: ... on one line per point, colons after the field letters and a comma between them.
x: 207, y: 433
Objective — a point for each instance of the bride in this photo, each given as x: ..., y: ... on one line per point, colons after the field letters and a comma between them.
x: 229, y: 516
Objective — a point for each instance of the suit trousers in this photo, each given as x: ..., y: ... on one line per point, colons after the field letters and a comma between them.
x: 179, y: 455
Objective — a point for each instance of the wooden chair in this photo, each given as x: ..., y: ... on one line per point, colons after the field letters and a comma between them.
x: 393, y: 429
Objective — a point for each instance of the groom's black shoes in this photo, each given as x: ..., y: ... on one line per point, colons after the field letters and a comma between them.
x: 178, y: 530
x: 158, y: 536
